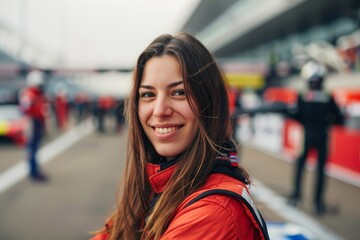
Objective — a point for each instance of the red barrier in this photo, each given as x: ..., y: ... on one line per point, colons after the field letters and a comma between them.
x: 293, y: 138
x: 344, y: 146
x: 280, y: 94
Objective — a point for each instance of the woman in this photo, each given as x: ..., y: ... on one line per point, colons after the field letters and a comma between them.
x: 181, y: 179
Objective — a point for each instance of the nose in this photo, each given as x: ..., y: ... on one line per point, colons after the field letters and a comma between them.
x: 162, y: 107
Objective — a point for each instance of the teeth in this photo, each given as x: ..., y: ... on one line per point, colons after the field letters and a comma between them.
x: 165, y: 130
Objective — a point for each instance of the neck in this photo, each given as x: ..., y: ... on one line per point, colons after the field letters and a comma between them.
x: 168, y: 159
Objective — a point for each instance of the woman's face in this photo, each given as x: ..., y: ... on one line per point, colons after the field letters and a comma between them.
x: 164, y: 111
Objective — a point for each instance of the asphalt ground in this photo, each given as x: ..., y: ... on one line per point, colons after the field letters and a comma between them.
x: 340, y: 222
x: 77, y: 198
x: 84, y: 174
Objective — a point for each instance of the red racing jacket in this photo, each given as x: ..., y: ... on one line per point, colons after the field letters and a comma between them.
x: 33, y: 103
x: 221, y: 209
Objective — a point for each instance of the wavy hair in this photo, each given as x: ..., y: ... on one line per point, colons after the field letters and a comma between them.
x: 206, y: 93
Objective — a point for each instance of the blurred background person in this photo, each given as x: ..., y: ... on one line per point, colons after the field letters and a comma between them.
x: 61, y: 107
x: 234, y: 106
x: 119, y: 114
x: 81, y: 105
x: 104, y: 105
x: 316, y: 110
x: 33, y: 104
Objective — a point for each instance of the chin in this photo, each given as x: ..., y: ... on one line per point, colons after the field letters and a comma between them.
x: 167, y: 152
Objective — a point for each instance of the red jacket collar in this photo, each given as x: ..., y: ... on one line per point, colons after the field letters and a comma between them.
x: 159, y: 174
x: 159, y: 178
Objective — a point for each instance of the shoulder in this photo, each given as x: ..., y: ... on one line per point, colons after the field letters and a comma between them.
x: 216, y: 215
x: 224, y: 209
x: 212, y: 217
x: 222, y: 181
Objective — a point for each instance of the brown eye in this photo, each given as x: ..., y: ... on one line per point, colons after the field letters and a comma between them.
x: 179, y: 92
x: 146, y: 95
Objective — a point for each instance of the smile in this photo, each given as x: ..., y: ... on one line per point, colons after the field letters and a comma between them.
x: 165, y: 130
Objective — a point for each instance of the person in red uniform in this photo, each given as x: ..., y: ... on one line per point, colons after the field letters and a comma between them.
x: 61, y: 109
x: 182, y: 178
x: 34, y: 105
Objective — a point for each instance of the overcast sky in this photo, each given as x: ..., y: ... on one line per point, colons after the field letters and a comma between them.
x: 95, y: 32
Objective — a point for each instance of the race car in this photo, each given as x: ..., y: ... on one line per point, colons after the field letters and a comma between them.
x: 13, y: 125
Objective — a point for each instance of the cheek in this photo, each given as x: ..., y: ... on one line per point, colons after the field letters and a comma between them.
x: 143, y: 114
x: 187, y: 112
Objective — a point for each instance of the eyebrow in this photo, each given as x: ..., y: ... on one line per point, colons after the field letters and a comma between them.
x: 174, y: 84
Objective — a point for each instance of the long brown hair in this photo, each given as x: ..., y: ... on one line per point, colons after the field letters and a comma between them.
x: 207, y: 95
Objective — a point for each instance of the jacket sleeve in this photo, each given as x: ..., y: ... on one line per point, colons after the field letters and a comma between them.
x: 33, y: 105
x: 294, y: 112
x: 215, y: 217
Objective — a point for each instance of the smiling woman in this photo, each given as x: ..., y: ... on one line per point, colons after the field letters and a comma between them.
x: 182, y: 178
x: 164, y: 111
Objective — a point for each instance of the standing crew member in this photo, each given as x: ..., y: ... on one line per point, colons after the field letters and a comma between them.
x: 316, y: 111
x: 34, y: 105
